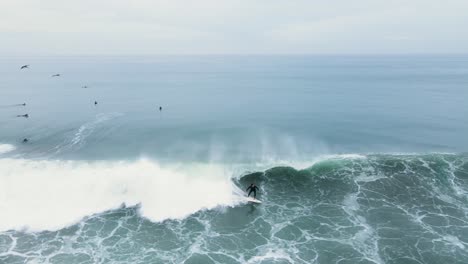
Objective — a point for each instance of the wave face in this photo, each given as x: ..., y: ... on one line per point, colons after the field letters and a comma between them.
x: 342, y: 209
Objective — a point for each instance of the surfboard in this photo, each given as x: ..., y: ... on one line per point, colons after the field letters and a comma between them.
x: 253, y: 200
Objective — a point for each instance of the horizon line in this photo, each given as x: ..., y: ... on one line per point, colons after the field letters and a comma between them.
x: 233, y: 54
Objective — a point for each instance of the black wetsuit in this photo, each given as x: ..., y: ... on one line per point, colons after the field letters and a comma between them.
x: 253, y: 189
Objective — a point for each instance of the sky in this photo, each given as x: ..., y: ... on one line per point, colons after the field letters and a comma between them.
x: 138, y: 27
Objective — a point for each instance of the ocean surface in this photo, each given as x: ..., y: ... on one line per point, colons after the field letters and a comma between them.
x: 359, y: 159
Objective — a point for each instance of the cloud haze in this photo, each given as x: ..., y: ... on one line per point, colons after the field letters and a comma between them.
x: 237, y: 27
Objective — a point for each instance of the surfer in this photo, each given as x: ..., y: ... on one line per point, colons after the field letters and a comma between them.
x: 95, y: 102
x: 253, y: 188
x: 25, y: 140
x: 25, y: 115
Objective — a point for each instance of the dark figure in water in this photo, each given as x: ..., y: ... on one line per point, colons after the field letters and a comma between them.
x: 253, y: 188
x: 23, y: 104
x: 25, y: 140
x: 95, y: 102
x: 25, y: 115
x: 160, y: 108
x: 25, y: 67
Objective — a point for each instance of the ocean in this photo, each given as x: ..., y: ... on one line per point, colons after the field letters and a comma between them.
x: 359, y: 159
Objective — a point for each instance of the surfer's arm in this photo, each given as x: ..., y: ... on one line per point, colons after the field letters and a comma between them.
x: 248, y: 188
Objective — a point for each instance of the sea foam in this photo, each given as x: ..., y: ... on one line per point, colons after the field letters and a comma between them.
x: 4, y: 148
x: 47, y: 195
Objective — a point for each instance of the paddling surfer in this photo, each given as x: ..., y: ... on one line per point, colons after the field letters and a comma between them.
x: 253, y: 189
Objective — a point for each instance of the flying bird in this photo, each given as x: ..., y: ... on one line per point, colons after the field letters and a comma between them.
x: 56, y: 75
x: 25, y: 67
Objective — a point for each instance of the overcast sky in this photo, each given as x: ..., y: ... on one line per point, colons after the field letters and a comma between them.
x: 233, y: 27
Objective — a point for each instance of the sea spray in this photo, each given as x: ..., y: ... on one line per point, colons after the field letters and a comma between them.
x: 52, y: 194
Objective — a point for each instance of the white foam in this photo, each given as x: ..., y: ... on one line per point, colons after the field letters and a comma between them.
x: 454, y: 241
x: 78, y: 138
x: 364, y: 240
x: 272, y: 254
x: 4, y: 148
x: 47, y: 195
x: 86, y: 129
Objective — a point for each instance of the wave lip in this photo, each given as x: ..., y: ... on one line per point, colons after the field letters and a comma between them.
x: 48, y: 195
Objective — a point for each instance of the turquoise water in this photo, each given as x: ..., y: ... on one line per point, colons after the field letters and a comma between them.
x: 358, y: 159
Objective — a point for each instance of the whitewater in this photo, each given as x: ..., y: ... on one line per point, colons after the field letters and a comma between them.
x: 358, y: 160
x: 47, y: 195
x: 364, y: 207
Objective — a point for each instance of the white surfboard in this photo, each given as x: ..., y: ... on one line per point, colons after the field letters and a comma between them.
x: 253, y: 200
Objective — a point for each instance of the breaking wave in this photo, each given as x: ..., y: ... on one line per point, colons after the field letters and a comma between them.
x: 52, y: 194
